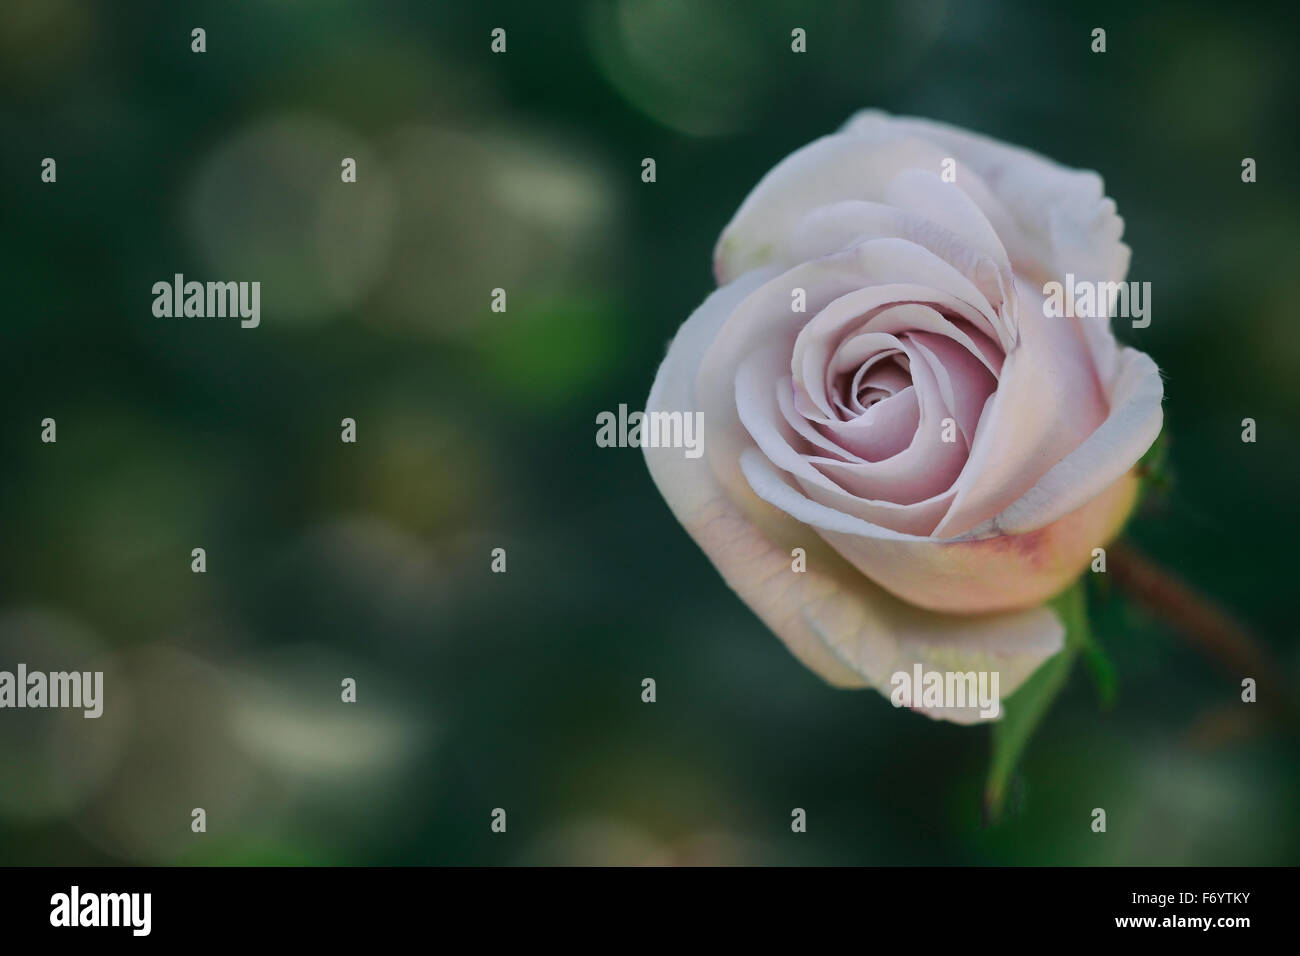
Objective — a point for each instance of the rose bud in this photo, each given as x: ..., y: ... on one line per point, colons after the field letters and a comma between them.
x: 882, y: 386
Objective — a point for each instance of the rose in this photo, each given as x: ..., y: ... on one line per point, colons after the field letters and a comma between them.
x: 945, y: 453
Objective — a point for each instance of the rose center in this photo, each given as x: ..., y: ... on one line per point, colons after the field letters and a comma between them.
x: 881, y: 376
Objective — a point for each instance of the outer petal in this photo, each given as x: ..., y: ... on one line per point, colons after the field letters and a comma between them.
x: 838, y: 623
x: 1050, y: 218
x: 1064, y: 222
x: 963, y: 575
x: 830, y: 170
x: 1134, y: 422
x: 828, y: 229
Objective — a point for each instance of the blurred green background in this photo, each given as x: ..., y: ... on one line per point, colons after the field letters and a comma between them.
x: 476, y: 430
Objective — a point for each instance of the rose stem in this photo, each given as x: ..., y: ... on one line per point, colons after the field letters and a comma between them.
x: 1209, y: 627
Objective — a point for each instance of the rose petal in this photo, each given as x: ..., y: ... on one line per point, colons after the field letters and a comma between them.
x: 1047, y: 402
x: 828, y: 229
x: 841, y: 626
x: 967, y: 575
x: 763, y: 320
x: 1063, y: 220
x: 1109, y: 452
x: 844, y: 166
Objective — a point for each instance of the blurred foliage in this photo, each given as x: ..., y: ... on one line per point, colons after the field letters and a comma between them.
x: 476, y: 431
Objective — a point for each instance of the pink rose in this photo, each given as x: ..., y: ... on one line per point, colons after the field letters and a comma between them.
x: 946, y: 455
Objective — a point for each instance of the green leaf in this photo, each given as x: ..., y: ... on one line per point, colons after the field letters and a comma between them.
x: 1101, y: 668
x: 1024, y: 709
